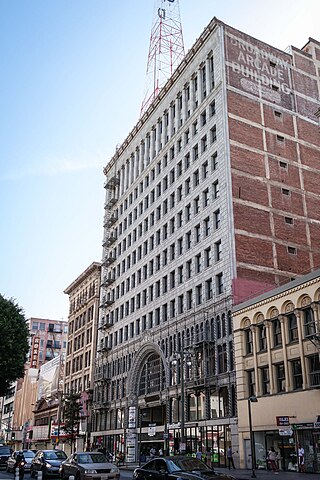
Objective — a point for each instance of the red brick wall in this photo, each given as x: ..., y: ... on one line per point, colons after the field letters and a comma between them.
x: 262, y: 236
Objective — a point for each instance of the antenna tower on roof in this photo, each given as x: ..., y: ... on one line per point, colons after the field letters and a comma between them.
x: 166, y: 49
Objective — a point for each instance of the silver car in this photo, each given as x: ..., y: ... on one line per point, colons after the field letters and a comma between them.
x: 28, y: 456
x: 89, y: 466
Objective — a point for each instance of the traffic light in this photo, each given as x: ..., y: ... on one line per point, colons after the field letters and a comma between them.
x: 13, y: 436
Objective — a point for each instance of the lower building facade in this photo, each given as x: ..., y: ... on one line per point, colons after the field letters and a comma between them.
x: 277, y: 348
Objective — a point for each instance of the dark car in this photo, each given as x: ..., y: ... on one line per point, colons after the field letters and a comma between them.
x: 28, y: 456
x: 5, y: 453
x: 89, y: 466
x: 177, y: 467
x: 48, y: 462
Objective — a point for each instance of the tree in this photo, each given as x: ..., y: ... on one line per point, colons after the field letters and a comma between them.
x: 14, y: 343
x: 72, y: 409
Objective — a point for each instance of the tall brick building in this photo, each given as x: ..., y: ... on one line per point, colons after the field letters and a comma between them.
x: 212, y: 198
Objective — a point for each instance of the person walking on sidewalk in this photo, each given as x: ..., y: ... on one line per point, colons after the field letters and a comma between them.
x: 230, y: 458
x: 301, y: 458
x: 272, y: 458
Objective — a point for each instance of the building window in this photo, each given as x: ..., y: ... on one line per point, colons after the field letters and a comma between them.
x: 188, y: 212
x: 196, y: 178
x: 180, y: 274
x: 189, y: 299
x: 213, y: 134
x: 180, y: 303
x: 219, y: 283
x: 296, y: 374
x: 205, y: 198
x: 265, y: 380
x: 262, y: 335
x: 251, y: 383
x: 215, y: 190
x: 206, y: 226
x: 209, y: 290
x: 203, y: 118
x: 188, y: 269
x: 207, y: 257
x: 309, y: 323
x: 214, y: 161
x: 197, y: 233
x: 205, y: 170
x: 187, y: 186
x: 217, y: 251
x: 292, y: 327
x: 248, y: 341
x: 199, y: 294
x: 196, y: 205
x: 314, y: 370
x: 188, y: 240
x: 222, y: 358
x: 198, y: 263
x: 195, y: 153
x: 277, y: 338
x: 204, y: 144
x: 212, y: 108
x: 280, y: 376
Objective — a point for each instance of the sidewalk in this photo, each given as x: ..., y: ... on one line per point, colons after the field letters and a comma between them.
x: 246, y: 474
x: 264, y: 474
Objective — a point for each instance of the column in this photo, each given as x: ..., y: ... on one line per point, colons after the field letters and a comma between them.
x: 192, y: 95
x: 141, y: 157
x: 298, y: 314
x: 200, y: 90
x: 164, y: 129
x: 208, y: 81
x: 284, y: 336
x: 184, y: 113
x: 268, y: 325
x: 137, y: 161
x: 152, y: 144
x: 255, y: 363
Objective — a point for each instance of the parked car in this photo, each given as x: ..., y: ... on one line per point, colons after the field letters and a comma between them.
x: 178, y: 467
x: 5, y: 452
x: 28, y: 456
x: 48, y: 462
x: 89, y: 465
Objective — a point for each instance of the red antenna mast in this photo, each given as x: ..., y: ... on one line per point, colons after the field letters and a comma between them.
x: 166, y: 49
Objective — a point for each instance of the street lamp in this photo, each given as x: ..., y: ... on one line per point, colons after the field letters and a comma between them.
x: 181, y: 366
x: 254, y: 399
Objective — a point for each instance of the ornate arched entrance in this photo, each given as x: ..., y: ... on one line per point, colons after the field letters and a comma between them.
x: 147, y: 386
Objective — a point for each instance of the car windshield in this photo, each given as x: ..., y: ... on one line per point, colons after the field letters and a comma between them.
x: 92, y: 458
x: 55, y: 455
x: 5, y: 451
x: 186, y: 464
x: 28, y: 454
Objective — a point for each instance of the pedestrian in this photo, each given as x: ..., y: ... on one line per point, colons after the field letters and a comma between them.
x: 160, y: 452
x: 301, y: 458
x: 230, y: 457
x: 199, y: 454
x: 272, y: 459
x: 152, y: 452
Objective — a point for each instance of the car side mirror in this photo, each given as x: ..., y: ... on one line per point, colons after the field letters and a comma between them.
x: 163, y: 471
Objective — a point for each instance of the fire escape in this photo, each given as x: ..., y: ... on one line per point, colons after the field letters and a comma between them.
x: 102, y: 377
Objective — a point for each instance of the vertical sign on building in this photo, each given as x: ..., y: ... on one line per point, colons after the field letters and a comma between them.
x: 35, y: 352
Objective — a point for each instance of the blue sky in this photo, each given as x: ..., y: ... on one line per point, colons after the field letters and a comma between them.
x: 71, y: 86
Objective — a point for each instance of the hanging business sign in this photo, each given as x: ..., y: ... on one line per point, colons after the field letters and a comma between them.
x: 132, y: 417
x: 282, y: 421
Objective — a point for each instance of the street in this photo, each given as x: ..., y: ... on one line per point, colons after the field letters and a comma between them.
x: 9, y: 476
